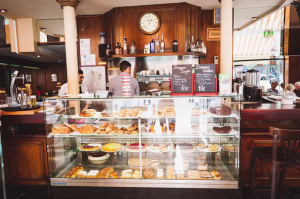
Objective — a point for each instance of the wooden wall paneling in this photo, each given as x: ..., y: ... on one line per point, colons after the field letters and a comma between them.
x: 41, y: 81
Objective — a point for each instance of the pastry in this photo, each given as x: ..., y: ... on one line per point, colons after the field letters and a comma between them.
x: 135, y: 147
x: 120, y: 132
x: 110, y: 127
x: 213, y: 172
x: 98, y: 156
x: 127, y: 174
x: 222, y: 130
x: 136, y: 174
x: 106, y: 114
x: 170, y: 172
x: 202, y: 146
x: 127, y: 132
x: 114, y: 131
x: 217, y: 177
x: 169, y: 112
x: 134, y: 132
x: 112, y: 147
x: 87, y: 113
x: 213, y: 147
x: 229, y: 147
x: 93, y: 174
x: 193, y: 174
x: 113, y: 175
x: 133, y: 127
x: 135, y: 161
x: 160, y: 173
x: 154, y: 163
x: 74, y: 171
x: 184, y: 147
x: 103, y: 126
x: 104, y: 173
x: 148, y: 174
x: 200, y: 158
x: 81, y: 174
x: 87, y: 129
x: 123, y: 129
x: 73, y: 127
x: 61, y: 129
x: 222, y: 110
x: 202, y: 167
x: 130, y: 113
x: 89, y: 147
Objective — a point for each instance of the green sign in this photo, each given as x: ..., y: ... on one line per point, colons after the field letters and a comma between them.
x: 268, y: 33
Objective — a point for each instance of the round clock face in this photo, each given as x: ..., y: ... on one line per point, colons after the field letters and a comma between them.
x: 149, y: 23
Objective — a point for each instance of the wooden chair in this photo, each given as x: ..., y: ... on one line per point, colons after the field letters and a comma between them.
x: 286, y: 156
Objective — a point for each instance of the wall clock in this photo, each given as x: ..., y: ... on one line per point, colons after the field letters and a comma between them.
x: 149, y: 23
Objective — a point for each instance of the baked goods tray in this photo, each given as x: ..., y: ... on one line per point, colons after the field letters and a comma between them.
x: 207, y: 150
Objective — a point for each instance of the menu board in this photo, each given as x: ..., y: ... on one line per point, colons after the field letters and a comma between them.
x: 205, y: 78
x: 182, y: 78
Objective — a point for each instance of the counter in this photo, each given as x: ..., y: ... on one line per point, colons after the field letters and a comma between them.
x: 255, y: 122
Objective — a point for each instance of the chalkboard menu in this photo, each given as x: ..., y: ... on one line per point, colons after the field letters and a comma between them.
x: 182, y: 78
x: 205, y: 78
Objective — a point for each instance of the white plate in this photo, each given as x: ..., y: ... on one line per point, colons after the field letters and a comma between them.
x: 137, y: 151
x: 206, y: 150
x: 184, y: 151
x: 157, y: 151
x: 92, y: 145
x: 100, y: 161
x: 64, y: 95
x: 113, y: 151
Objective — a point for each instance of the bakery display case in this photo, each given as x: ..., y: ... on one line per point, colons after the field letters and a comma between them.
x: 165, y: 142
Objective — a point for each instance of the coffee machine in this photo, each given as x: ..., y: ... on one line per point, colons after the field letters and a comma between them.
x: 238, y: 83
x: 253, y: 90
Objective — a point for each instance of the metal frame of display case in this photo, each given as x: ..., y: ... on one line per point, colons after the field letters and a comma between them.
x: 58, y: 185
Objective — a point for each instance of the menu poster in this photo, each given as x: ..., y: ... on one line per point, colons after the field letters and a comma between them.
x: 224, y: 84
x: 205, y: 75
x: 85, y: 46
x: 182, y: 78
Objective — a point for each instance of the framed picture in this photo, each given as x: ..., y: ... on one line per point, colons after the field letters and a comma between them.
x: 28, y: 78
x: 54, y: 77
x: 213, y: 34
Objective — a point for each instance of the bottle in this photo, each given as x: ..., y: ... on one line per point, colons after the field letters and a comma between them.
x: 118, y: 49
x: 162, y: 44
x: 157, y: 44
x: 108, y: 51
x: 125, y: 51
x: 203, y: 48
x: 193, y: 46
x: 175, y: 46
x: 152, y: 46
x: 132, y: 48
x: 197, y: 49
x: 188, y: 47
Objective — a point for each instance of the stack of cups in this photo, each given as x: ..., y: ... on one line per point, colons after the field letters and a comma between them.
x: 126, y: 85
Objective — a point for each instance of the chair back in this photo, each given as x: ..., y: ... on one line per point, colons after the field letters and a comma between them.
x: 290, y: 143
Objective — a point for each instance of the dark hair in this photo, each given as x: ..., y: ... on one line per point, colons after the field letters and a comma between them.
x: 124, y: 65
x: 80, y: 72
x: 281, y: 85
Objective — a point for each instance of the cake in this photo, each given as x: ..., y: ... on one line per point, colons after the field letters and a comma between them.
x: 136, y: 174
x: 98, y: 156
x: 160, y: 174
x: 170, y: 173
x: 222, y: 110
x: 93, y: 174
x: 193, y: 174
x: 159, y: 148
x: 202, y: 146
x: 104, y: 173
x: 82, y: 174
x: 127, y: 174
x: 202, y: 167
x: 89, y: 147
x: 214, y: 172
x: 229, y: 147
x: 112, y: 147
x: 135, y: 147
x: 148, y: 174
x: 213, y: 147
x: 217, y: 177
x: 135, y: 161
x: 222, y: 130
x: 74, y: 171
x: 184, y: 147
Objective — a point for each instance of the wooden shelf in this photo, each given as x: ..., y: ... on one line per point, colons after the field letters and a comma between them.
x: 159, y: 55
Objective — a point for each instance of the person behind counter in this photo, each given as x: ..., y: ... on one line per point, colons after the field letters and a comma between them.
x: 273, y: 88
x: 115, y: 84
x: 297, y: 89
x: 82, y: 87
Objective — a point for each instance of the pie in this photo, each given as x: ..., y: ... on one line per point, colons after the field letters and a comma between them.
x: 222, y: 130
x: 89, y: 147
x: 135, y: 147
x: 74, y: 171
x: 98, y: 156
x: 112, y: 147
x: 160, y: 148
x: 87, y: 113
x: 135, y: 161
x: 184, y: 147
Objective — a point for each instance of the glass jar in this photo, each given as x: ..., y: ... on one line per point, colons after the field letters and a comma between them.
x: 102, y: 37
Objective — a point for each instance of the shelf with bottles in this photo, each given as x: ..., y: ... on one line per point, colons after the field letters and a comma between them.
x: 161, y: 54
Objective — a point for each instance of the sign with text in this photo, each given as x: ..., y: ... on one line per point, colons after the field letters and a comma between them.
x: 205, y: 75
x: 224, y: 83
x: 182, y: 78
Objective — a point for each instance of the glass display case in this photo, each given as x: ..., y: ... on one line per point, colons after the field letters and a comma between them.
x: 165, y: 142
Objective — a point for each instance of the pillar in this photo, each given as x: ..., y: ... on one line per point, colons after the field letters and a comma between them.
x: 70, y: 44
x: 226, y: 38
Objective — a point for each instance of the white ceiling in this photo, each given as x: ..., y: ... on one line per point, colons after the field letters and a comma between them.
x: 50, y: 9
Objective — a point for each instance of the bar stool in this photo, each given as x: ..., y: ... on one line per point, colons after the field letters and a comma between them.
x: 285, y: 156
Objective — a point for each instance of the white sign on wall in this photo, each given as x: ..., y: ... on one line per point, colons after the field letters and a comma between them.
x: 94, y: 78
x: 85, y: 46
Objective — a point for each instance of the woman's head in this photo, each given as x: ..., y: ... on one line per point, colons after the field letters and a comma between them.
x: 289, y: 87
x: 274, y: 85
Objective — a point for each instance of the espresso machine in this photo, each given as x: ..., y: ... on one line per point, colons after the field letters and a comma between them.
x: 238, y: 82
x: 253, y: 90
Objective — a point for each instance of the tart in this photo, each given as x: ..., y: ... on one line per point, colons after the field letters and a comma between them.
x: 93, y: 174
x: 135, y: 161
x: 184, y: 147
x: 74, y: 171
x: 135, y: 147
x: 98, y: 156
x: 89, y: 147
x: 159, y: 148
x: 112, y: 147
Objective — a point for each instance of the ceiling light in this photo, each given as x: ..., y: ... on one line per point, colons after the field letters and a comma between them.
x: 59, y: 61
x: 3, y: 10
x: 254, y: 18
x: 38, y: 56
x: 43, y: 29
